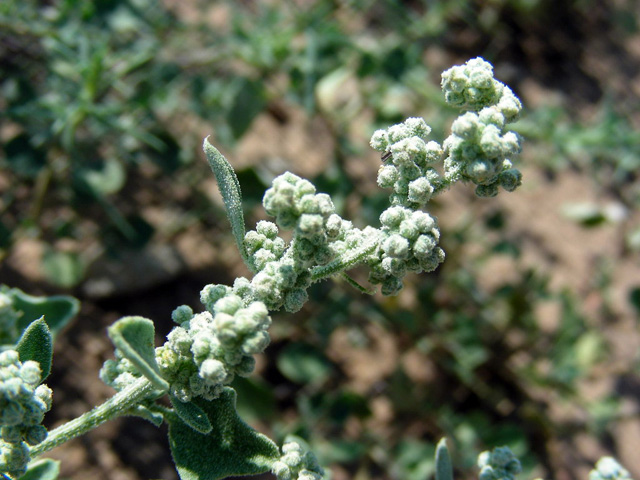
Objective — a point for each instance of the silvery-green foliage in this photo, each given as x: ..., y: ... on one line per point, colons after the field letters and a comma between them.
x: 498, y: 464
x: 206, y: 350
x: 608, y: 468
x: 23, y: 403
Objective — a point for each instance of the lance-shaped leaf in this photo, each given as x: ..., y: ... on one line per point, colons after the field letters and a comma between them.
x: 231, y: 448
x: 192, y: 415
x: 134, y: 337
x: 36, y: 344
x: 444, y: 470
x: 231, y: 195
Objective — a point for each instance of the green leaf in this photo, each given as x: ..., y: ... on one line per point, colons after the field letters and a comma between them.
x: 192, y: 415
x: 37, y: 344
x: 43, y: 469
x: 231, y: 448
x: 444, y: 470
x: 58, y: 310
x: 134, y: 337
x: 230, y: 190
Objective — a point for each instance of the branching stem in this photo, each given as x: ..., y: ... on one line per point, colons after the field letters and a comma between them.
x: 116, y: 406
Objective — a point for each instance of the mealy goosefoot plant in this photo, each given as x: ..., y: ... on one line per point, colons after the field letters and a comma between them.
x: 206, y: 350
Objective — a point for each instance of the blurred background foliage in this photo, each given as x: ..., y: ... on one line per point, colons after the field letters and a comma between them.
x: 526, y: 336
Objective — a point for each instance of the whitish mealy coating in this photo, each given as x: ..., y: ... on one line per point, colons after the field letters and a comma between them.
x: 472, y: 87
x: 410, y: 245
x: 608, y: 468
x: 479, y: 148
x: 408, y: 169
x: 297, y: 463
x: 23, y: 403
x: 205, y: 352
x: 498, y: 464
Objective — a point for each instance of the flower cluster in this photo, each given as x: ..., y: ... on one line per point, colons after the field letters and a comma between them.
x: 498, y: 464
x: 608, y: 468
x: 119, y: 373
x: 294, y: 203
x: 479, y: 152
x: 23, y: 403
x: 297, y: 463
x: 472, y: 87
x: 410, y: 245
x: 278, y: 280
x: 319, y: 236
x: 208, y: 349
x: 409, y: 169
x: 479, y: 149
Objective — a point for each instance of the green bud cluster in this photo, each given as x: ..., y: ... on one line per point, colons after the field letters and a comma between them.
x: 479, y: 149
x: 498, y: 464
x: 23, y: 403
x: 297, y: 463
x: 410, y: 158
x: 410, y: 245
x: 608, y: 468
x: 8, y: 320
x: 472, y: 87
x: 119, y: 373
x: 208, y: 349
x: 294, y: 203
x: 279, y: 280
x: 282, y: 271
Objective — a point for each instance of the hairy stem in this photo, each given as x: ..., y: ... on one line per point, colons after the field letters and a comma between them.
x: 117, y: 405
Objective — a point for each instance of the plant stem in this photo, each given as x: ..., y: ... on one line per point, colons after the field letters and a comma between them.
x: 117, y: 405
x: 346, y: 261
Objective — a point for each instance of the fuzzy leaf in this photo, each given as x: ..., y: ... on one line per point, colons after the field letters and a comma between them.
x: 134, y: 337
x: 231, y: 448
x: 36, y: 344
x: 192, y: 415
x: 230, y: 190
x: 44, y: 469
x: 444, y: 470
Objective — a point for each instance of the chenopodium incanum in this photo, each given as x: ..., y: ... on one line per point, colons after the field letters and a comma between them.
x: 206, y: 350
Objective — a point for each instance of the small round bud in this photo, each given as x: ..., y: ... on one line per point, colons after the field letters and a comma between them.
x: 268, y: 229
x: 379, y: 141
x: 213, y: 371
x: 182, y: 314
x: 510, y: 179
x: 487, y: 191
x: 396, y: 246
